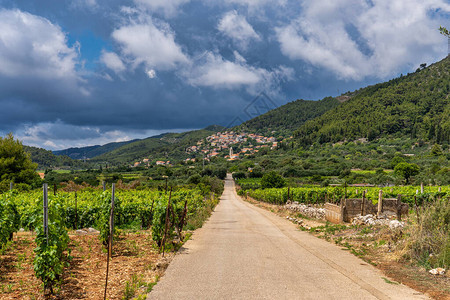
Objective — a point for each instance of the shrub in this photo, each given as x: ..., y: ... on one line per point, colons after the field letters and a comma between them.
x: 194, y: 179
x: 239, y: 175
x: 272, y: 180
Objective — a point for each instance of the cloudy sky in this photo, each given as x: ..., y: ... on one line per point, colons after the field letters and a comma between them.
x: 85, y: 72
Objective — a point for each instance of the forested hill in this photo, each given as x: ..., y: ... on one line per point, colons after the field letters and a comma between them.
x: 165, y: 146
x: 91, y: 151
x: 46, y: 159
x: 416, y: 106
x: 285, y: 119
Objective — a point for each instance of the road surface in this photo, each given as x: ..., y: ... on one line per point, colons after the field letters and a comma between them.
x: 245, y: 252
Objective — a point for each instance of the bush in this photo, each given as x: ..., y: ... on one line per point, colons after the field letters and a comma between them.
x: 255, y: 173
x: 239, y: 175
x: 272, y: 180
x: 194, y: 179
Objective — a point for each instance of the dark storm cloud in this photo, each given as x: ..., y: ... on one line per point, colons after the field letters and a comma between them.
x: 106, y: 70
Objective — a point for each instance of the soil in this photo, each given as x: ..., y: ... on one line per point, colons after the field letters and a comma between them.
x: 377, y: 245
x: 135, y: 262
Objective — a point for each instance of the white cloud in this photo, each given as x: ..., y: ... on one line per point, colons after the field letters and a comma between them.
x: 355, y: 39
x: 31, y: 46
x: 168, y: 7
x: 151, y: 73
x: 212, y: 70
x: 112, y: 61
x: 145, y: 43
x: 238, y: 29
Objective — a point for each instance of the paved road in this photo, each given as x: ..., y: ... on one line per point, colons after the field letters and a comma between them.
x: 245, y: 252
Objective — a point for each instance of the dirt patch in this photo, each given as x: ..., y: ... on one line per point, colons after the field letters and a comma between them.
x: 134, y: 268
x: 378, y: 245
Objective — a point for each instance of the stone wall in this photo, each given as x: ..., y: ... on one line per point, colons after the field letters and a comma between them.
x: 333, y: 213
x: 352, y: 208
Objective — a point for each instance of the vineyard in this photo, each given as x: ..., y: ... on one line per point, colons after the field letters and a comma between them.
x: 159, y: 216
x: 316, y: 195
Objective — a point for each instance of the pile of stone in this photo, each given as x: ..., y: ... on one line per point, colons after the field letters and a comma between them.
x: 295, y: 220
x: 374, y: 220
x: 306, y: 210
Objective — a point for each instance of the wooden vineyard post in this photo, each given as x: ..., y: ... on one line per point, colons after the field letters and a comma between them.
x: 111, y: 220
x: 421, y: 187
x: 399, y: 207
x: 380, y: 203
x: 76, y: 212
x: 166, y: 224
x: 11, y: 186
x: 417, y: 207
x: 184, y: 216
x: 54, y: 189
x: 110, y: 239
x: 345, y: 192
x: 166, y: 178
x: 45, y: 206
x: 289, y: 190
x: 151, y: 214
x: 363, y: 203
x: 104, y: 185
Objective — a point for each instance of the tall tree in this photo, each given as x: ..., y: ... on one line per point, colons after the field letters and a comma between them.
x: 406, y: 170
x: 444, y: 31
x: 15, y: 164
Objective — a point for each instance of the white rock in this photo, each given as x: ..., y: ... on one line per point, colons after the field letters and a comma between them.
x: 92, y: 230
x: 437, y: 271
x: 394, y: 224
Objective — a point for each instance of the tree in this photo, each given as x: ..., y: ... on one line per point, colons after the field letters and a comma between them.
x: 406, y: 170
x: 436, y: 150
x: 15, y: 164
x: 444, y: 31
x: 272, y: 180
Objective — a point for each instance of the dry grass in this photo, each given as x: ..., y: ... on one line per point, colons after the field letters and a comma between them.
x: 428, y: 239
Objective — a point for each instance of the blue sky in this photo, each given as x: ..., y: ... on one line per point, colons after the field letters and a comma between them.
x: 85, y: 72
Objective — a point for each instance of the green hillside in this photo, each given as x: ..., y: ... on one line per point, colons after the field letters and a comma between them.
x: 169, y: 145
x: 46, y: 159
x: 91, y: 151
x: 285, y: 119
x: 415, y: 106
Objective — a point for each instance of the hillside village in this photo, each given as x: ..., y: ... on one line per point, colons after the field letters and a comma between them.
x: 231, y: 145
x: 227, y: 144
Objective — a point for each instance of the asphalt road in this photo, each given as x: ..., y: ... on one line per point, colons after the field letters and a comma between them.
x: 245, y: 252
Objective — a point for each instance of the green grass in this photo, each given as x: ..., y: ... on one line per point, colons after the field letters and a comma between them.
x: 388, y: 281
